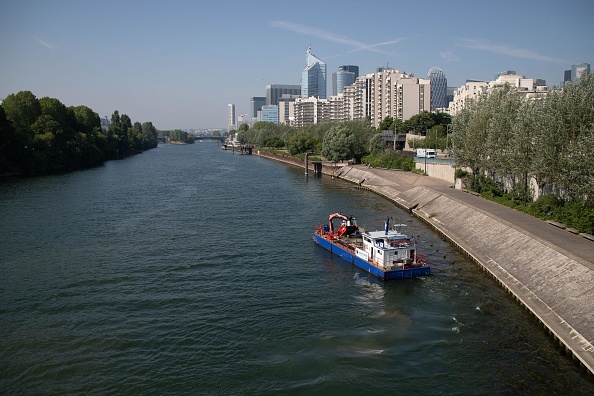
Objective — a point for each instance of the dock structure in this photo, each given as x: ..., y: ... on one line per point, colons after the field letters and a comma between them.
x: 241, y: 149
x: 548, y: 269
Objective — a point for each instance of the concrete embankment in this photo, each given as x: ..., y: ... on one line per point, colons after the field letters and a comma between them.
x: 549, y: 271
x: 323, y: 168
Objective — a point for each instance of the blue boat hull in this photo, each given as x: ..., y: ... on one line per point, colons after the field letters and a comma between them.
x: 368, y: 267
x: 334, y: 248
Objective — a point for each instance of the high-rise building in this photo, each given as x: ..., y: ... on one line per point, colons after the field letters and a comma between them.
x: 528, y: 88
x: 389, y: 93
x: 286, y: 109
x: 439, y: 88
x: 269, y: 114
x: 275, y: 91
x: 313, y: 77
x: 256, y: 104
x: 231, y: 115
x: 311, y: 111
x: 345, y: 76
x: 392, y: 93
x: 577, y: 71
x: 566, y: 76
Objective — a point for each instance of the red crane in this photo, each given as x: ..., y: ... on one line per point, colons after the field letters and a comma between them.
x: 347, y: 227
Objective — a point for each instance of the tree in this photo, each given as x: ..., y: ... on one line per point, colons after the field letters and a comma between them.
x: 22, y: 110
x: 468, y: 138
x: 419, y: 123
x: 86, y: 119
x: 386, y: 124
x: 135, y: 138
x: 12, y: 146
x: 300, y: 142
x: 377, y: 145
x: 149, y: 136
x: 338, y: 144
x: 361, y: 132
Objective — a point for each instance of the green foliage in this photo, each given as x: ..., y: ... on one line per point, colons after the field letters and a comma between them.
x: 390, y: 160
x: 546, y: 207
x: 484, y: 185
x: 386, y: 124
x: 549, y: 139
x: 575, y: 214
x: 22, y: 110
x: 179, y: 136
x: 338, y: 144
x: 420, y: 123
x: 377, y: 145
x: 301, y: 142
x: 274, y: 143
x: 460, y: 173
x: 44, y: 136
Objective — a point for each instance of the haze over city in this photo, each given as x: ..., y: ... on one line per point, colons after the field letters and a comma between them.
x: 178, y: 64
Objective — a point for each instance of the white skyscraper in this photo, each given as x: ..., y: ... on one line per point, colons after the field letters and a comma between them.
x: 313, y: 77
x: 231, y: 115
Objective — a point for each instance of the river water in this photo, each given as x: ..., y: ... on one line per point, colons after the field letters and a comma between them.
x: 190, y: 270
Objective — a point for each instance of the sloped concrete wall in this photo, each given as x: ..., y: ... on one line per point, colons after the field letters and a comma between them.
x: 556, y: 287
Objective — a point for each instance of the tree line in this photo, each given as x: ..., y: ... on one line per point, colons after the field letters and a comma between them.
x: 177, y: 136
x: 550, y: 139
x: 346, y: 140
x: 507, y: 141
x: 39, y: 136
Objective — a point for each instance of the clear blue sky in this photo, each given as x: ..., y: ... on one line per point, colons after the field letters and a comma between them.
x: 179, y: 63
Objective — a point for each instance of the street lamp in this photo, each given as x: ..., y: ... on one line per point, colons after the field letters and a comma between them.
x: 426, y: 136
x: 447, y: 136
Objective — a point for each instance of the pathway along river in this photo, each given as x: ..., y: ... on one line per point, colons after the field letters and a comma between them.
x: 189, y: 270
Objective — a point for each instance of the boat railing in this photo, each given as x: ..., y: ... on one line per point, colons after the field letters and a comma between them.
x: 422, y: 259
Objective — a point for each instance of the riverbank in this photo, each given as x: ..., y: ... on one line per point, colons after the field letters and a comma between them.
x: 548, y: 270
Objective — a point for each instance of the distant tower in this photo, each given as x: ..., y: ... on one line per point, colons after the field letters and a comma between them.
x: 276, y: 91
x: 439, y: 88
x: 231, y: 109
x: 256, y: 104
x: 313, y: 77
x: 578, y: 71
x: 345, y: 76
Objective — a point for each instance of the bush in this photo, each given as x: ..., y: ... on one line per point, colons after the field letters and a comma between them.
x: 575, y: 214
x: 460, y: 173
x: 546, y: 207
x: 390, y: 160
x: 485, y: 186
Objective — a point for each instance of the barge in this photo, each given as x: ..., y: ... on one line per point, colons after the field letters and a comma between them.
x: 387, y: 254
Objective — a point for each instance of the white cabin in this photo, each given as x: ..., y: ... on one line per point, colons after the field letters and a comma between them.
x: 387, y: 250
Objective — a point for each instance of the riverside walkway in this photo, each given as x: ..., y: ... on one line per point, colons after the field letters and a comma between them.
x: 548, y: 269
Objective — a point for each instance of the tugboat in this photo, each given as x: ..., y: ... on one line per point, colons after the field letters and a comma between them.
x: 387, y: 254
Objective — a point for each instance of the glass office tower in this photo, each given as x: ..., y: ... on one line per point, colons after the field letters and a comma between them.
x: 313, y: 77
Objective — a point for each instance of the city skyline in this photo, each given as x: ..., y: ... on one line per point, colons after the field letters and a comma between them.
x: 180, y: 64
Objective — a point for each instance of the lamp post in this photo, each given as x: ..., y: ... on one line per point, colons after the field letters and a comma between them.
x: 426, y: 135
x: 447, y: 136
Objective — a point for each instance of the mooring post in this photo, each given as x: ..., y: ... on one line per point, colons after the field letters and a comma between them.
x: 306, y: 163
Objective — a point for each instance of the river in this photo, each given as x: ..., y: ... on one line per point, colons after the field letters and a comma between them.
x: 190, y: 270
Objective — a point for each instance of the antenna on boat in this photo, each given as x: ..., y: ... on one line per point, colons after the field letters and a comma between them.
x: 397, y: 227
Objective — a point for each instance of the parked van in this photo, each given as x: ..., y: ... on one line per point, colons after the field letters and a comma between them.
x: 426, y: 153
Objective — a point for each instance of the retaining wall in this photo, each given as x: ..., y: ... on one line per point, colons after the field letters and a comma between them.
x: 556, y: 287
x: 327, y: 169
